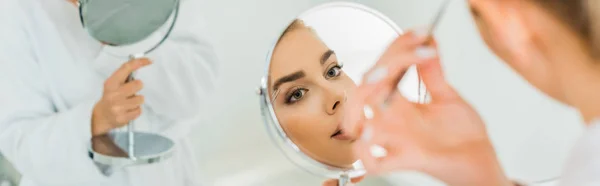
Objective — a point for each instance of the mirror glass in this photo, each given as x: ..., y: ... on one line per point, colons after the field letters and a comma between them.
x: 127, y: 24
x: 313, y: 68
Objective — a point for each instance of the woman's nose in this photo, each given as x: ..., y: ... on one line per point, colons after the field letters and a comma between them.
x: 335, y: 99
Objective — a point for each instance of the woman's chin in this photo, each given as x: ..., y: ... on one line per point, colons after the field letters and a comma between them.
x: 348, y: 163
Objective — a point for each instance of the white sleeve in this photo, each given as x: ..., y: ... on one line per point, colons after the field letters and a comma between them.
x: 47, y: 146
x: 583, y: 165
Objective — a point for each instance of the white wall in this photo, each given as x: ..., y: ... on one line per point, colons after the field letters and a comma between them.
x: 531, y: 132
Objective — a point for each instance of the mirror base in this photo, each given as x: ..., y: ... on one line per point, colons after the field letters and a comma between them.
x: 112, y: 150
x: 344, y: 180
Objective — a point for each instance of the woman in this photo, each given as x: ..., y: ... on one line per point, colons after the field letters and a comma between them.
x: 309, y: 90
x: 553, y: 44
x: 59, y: 89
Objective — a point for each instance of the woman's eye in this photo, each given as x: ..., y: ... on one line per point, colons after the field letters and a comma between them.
x: 334, y: 71
x: 296, y: 95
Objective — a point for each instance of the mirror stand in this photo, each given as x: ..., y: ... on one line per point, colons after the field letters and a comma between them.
x: 120, y: 149
x: 128, y: 148
x: 344, y: 179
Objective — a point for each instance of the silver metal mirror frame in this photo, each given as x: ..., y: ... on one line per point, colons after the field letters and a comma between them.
x: 276, y: 132
x: 174, y: 16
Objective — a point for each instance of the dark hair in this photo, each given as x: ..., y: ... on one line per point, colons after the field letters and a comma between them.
x: 580, y: 16
x: 296, y: 24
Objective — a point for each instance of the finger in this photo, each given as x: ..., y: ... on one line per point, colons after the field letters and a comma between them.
x: 362, y: 150
x: 394, y: 53
x: 382, y: 142
x: 133, y: 102
x: 408, y: 40
x: 354, y: 113
x: 396, y: 137
x: 432, y: 42
x: 130, y: 89
x: 396, y: 105
x: 372, y: 136
x: 433, y: 77
x: 399, y: 49
x: 357, y: 179
x: 378, y: 102
x: 392, y: 162
x: 120, y: 76
x: 403, y: 154
x: 131, y: 115
x: 388, y: 77
x: 128, y: 105
x: 396, y: 65
x: 391, y: 73
x: 330, y: 182
x: 387, y: 156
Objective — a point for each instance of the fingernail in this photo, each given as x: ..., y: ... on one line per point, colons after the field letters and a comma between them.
x: 378, y: 151
x: 421, y: 32
x: 144, y: 61
x: 367, y: 133
x: 425, y: 52
x: 377, y: 75
x: 368, y: 111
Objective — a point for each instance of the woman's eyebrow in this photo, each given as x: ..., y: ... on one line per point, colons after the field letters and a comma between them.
x: 326, y: 56
x: 289, y: 78
x: 474, y: 11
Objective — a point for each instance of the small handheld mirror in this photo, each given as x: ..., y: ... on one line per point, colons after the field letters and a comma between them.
x: 120, y: 23
x: 312, y: 70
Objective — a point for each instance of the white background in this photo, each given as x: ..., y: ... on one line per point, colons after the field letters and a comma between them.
x: 531, y: 132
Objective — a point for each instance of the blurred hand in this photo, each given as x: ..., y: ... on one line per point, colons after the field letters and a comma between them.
x: 333, y: 182
x: 106, y: 145
x: 445, y: 138
x: 119, y: 104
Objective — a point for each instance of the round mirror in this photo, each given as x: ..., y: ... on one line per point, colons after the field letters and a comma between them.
x: 313, y: 68
x: 127, y: 24
x: 129, y: 28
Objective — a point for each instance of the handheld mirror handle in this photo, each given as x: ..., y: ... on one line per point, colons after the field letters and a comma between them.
x: 344, y: 180
x: 130, y: 126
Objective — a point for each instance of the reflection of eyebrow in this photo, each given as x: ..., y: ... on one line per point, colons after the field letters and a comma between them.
x: 474, y: 11
x: 292, y: 77
x: 326, y: 56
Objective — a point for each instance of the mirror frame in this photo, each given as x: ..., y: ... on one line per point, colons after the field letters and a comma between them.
x: 173, y: 17
x: 275, y: 130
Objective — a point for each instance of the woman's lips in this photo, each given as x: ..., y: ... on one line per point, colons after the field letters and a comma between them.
x: 340, y: 135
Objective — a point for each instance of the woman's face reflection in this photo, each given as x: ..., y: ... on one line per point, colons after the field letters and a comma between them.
x: 309, y: 90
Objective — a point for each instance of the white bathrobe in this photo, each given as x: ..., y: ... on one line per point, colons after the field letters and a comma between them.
x: 51, y: 75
